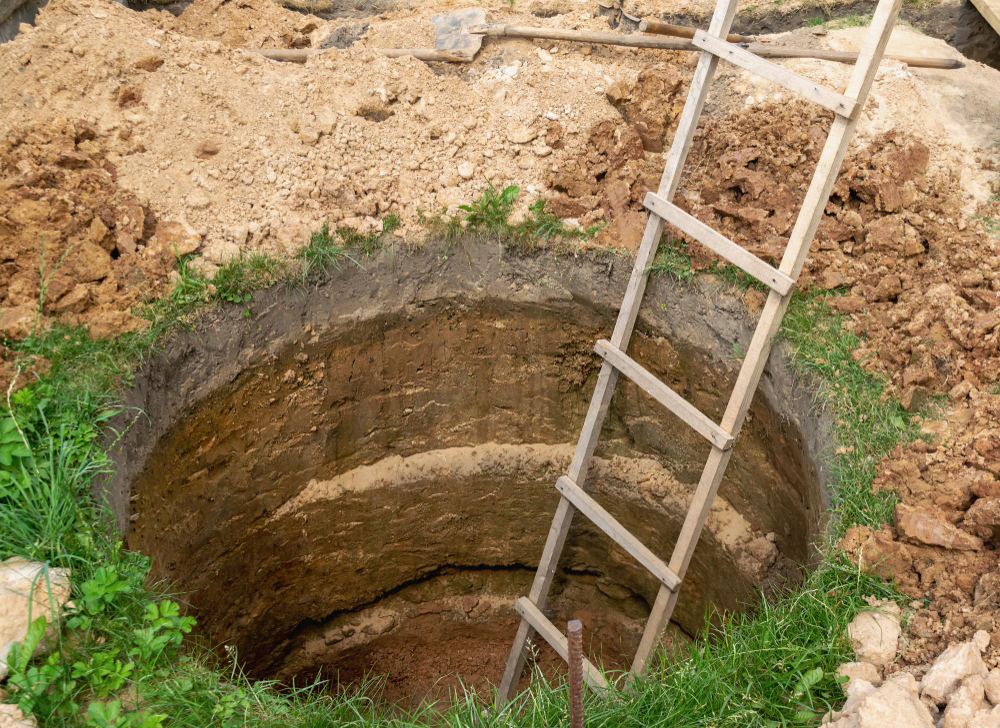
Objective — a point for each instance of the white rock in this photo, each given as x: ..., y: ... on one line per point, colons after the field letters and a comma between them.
x: 875, y: 634
x: 24, y: 587
x: 965, y: 703
x: 855, y: 671
x: 12, y: 717
x: 521, y: 135
x: 466, y: 170
x: 981, y: 639
x: 543, y: 55
x: 950, y: 669
x: 894, y: 705
x: 992, y: 684
x: 986, y: 719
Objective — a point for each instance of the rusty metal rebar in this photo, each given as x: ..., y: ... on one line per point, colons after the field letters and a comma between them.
x: 574, y: 634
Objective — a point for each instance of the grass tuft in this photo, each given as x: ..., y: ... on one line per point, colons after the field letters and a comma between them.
x: 673, y: 260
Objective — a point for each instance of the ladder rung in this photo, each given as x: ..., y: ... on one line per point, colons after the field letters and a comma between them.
x: 557, y: 639
x: 734, y: 253
x: 618, y: 533
x: 801, y: 85
x: 665, y: 395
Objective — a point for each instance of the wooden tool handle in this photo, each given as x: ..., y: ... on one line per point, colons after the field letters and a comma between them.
x: 499, y: 30
x: 652, y: 25
x: 765, y: 50
x: 422, y: 54
x: 426, y: 54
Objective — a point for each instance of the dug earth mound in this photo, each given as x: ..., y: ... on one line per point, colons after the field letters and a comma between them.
x: 360, y: 479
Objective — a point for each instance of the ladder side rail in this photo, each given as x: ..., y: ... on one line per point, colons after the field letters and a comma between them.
x: 792, y: 261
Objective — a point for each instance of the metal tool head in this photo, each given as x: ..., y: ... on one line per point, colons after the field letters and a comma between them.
x: 453, y: 31
x: 617, y: 17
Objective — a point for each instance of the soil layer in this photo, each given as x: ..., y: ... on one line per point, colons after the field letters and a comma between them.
x: 373, y: 461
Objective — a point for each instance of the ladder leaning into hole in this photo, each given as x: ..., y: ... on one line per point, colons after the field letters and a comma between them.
x: 780, y: 280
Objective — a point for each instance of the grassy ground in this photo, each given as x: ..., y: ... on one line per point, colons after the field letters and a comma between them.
x: 123, y: 658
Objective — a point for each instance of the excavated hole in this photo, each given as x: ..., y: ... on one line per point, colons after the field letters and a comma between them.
x: 359, y: 479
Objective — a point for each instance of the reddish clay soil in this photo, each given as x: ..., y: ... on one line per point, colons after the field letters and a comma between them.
x: 75, y: 242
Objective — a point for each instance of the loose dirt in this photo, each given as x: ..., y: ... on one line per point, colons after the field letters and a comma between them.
x: 129, y: 137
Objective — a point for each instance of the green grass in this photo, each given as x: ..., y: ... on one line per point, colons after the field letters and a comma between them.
x: 852, y: 20
x: 487, y: 219
x: 126, y: 665
x: 672, y: 260
x: 867, y: 423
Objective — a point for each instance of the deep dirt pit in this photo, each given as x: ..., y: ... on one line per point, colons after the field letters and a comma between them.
x: 360, y: 476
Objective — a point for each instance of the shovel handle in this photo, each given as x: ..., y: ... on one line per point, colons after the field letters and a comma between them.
x: 426, y: 54
x: 657, y: 27
x: 500, y: 30
x: 764, y: 50
x: 300, y: 55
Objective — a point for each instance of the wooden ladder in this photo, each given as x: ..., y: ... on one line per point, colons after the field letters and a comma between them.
x: 781, y: 281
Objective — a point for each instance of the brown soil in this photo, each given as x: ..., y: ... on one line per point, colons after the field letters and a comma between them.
x: 174, y: 124
x: 68, y: 228
x: 390, y: 481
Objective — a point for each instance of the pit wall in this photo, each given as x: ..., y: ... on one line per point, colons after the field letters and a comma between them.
x: 320, y: 474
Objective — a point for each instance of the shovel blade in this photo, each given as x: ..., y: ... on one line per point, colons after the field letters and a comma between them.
x: 453, y: 31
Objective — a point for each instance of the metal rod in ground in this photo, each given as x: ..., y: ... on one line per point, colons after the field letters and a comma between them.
x: 574, y: 633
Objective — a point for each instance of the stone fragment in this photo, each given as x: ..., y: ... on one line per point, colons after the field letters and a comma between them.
x: 874, y: 634
x: 12, y: 717
x: 853, y: 219
x: 952, y: 667
x: 986, y: 719
x: 915, y: 398
x: 89, y: 262
x: 984, y: 512
x: 831, y: 279
x: 198, y: 199
x: 887, y: 289
x: 992, y: 686
x: 847, y: 304
x: 177, y: 237
x: 543, y: 55
x: 206, y: 149
x: 16, y: 322
x: 25, y: 587
x: 466, y: 170
x: 921, y: 525
x: 75, y: 301
x: 616, y: 93
x: 221, y: 251
x: 894, y: 705
x: 855, y: 671
x: 521, y: 135
x: 960, y: 391
x: 149, y: 63
x: 965, y: 703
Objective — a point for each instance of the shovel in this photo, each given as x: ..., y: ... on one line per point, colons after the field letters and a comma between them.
x: 462, y: 31
x: 460, y: 35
